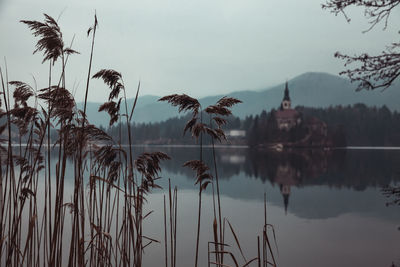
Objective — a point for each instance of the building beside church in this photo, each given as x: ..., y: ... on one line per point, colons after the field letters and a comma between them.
x: 287, y: 117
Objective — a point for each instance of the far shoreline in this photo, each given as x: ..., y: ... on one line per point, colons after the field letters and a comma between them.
x: 241, y: 146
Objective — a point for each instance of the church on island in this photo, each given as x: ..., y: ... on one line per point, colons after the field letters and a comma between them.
x: 290, y: 128
x: 286, y: 117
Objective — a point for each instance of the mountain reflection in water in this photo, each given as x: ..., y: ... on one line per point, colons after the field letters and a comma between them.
x: 326, y: 206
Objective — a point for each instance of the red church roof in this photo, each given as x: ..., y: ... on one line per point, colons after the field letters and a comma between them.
x: 286, y: 113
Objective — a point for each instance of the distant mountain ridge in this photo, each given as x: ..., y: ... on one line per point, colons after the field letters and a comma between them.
x: 311, y: 89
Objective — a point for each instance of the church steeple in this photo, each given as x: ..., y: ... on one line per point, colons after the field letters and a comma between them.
x: 286, y: 103
x: 286, y: 97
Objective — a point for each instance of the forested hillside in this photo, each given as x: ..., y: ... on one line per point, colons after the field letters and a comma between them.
x: 361, y: 126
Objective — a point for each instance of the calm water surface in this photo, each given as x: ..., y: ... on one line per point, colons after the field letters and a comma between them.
x: 327, y: 207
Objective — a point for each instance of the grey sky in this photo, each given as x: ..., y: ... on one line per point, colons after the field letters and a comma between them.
x: 200, y: 48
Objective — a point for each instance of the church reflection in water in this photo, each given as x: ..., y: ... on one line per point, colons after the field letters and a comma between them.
x: 286, y: 176
x: 291, y: 168
x: 302, y: 168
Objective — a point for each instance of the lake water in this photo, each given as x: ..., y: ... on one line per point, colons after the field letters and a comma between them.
x: 327, y: 208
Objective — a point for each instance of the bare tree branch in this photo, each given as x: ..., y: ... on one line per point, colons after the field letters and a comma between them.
x: 377, y: 71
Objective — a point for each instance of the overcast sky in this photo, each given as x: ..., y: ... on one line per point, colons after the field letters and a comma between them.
x: 200, y: 48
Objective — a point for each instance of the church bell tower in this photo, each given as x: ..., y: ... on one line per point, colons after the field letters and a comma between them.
x: 286, y: 103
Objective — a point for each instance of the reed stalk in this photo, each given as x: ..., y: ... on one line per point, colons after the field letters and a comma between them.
x: 103, y: 220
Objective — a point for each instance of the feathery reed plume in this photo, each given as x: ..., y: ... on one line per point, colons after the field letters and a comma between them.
x: 21, y: 93
x: 91, y: 151
x: 136, y: 187
x: 112, y: 108
x: 110, y: 187
x: 148, y: 164
x: 216, y: 112
x: 52, y: 45
x: 202, y: 176
x: 50, y: 38
x: 184, y: 102
x: 62, y: 101
x: 198, y: 128
x: 113, y: 79
x: 187, y: 103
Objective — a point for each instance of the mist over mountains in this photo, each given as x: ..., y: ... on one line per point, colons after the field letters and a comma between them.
x: 311, y: 89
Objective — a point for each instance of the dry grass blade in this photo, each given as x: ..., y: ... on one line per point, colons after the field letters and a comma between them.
x: 134, y: 103
x: 273, y: 232
x: 148, y: 214
x: 165, y: 235
x: 70, y: 51
x: 96, y: 23
x: 220, y: 264
x: 32, y: 223
x: 145, y: 246
x: 220, y: 244
x: 232, y: 257
x: 236, y: 240
x: 215, y: 232
x: 151, y: 239
x: 250, y: 261
x: 269, y: 247
x: 93, y: 179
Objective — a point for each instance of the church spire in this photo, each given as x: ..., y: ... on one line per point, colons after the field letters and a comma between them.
x: 286, y: 97
x: 286, y: 103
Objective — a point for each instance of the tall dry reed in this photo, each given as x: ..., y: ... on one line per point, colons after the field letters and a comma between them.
x: 101, y: 223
